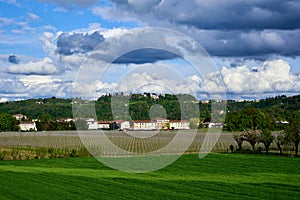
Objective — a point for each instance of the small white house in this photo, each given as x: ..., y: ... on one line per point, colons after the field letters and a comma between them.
x: 27, y: 126
x: 124, y: 125
x: 144, y: 125
x: 103, y: 124
x: 90, y: 120
x: 20, y: 116
x: 93, y: 125
x: 179, y: 124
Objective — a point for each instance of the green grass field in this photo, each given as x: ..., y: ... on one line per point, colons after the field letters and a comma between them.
x: 217, y: 176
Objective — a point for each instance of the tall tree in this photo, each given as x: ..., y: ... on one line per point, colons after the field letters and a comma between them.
x: 239, y: 140
x: 292, y: 132
x: 279, y: 140
x: 266, y: 138
x: 7, y: 122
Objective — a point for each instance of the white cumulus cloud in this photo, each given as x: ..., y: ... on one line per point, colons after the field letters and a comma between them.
x: 42, y: 67
x: 273, y: 76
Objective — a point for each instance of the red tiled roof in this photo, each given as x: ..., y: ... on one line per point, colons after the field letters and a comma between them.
x: 104, y: 122
x: 179, y: 121
x: 26, y: 122
x: 142, y: 121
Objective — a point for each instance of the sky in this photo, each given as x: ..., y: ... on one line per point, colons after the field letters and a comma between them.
x: 87, y: 48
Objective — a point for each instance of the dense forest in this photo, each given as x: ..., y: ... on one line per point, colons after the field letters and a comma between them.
x: 260, y: 114
x: 34, y: 108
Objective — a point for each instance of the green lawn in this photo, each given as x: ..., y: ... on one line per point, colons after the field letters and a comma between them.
x: 218, y: 176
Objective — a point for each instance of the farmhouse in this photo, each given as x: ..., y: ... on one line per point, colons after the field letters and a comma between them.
x: 155, y: 124
x: 143, y: 125
x: 179, y: 124
x: 160, y: 123
x: 92, y: 124
x: 104, y: 124
x: 123, y: 125
x: 27, y: 126
x: 118, y: 124
x: 20, y: 116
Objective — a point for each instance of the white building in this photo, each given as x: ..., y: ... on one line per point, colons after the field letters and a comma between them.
x: 160, y: 123
x: 93, y: 125
x: 27, y: 126
x: 180, y: 124
x: 144, y: 125
x: 104, y: 124
x: 20, y: 116
x: 124, y: 125
x: 90, y: 120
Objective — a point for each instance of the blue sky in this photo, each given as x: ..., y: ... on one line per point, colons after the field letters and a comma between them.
x: 255, y: 46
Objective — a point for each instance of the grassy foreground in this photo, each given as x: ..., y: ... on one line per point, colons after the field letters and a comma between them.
x: 218, y: 176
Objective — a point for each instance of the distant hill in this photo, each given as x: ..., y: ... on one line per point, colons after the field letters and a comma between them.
x: 34, y: 108
x: 139, y: 105
x: 279, y: 102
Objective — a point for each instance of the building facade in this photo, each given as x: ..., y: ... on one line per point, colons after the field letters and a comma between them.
x: 27, y: 126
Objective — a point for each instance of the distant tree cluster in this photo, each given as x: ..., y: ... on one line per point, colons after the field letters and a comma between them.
x: 177, y: 106
x: 263, y: 114
x: 8, y: 122
x: 56, y: 108
x: 290, y: 135
x: 250, y: 118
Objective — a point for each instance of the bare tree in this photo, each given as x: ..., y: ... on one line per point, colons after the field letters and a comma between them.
x: 251, y: 136
x: 239, y: 140
x: 279, y: 141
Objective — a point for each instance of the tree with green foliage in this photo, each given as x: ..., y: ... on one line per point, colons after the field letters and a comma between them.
x: 292, y: 132
x: 81, y: 124
x: 266, y: 138
x: 44, y: 118
x: 195, y: 123
x: 7, y: 122
x: 250, y: 118
x: 43, y: 123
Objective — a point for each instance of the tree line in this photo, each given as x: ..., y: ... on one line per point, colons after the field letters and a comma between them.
x: 256, y: 128
x: 275, y: 108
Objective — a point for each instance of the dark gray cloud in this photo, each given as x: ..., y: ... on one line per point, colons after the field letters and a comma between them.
x: 13, y: 59
x: 148, y: 55
x: 257, y: 29
x: 136, y: 47
x: 253, y: 44
x: 219, y: 14
x: 77, y: 43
